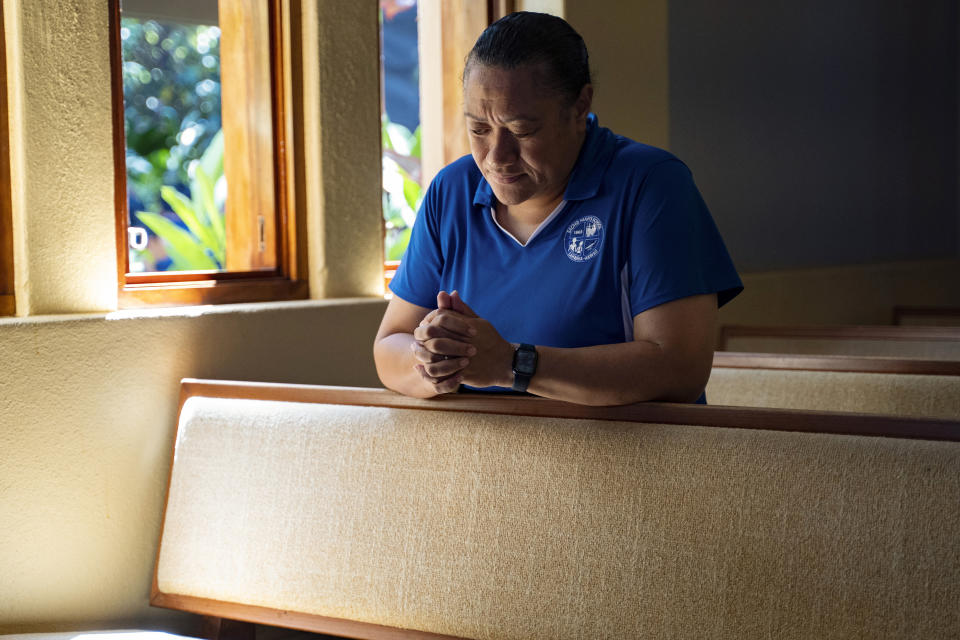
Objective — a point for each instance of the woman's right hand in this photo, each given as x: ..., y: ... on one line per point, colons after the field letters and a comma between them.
x: 440, y: 344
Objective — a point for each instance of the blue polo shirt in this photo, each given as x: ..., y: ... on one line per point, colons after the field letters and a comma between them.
x: 632, y: 233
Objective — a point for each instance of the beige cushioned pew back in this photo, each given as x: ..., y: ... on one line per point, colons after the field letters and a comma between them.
x: 836, y: 383
x: 481, y: 525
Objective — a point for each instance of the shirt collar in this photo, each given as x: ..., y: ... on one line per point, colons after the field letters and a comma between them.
x: 599, y: 144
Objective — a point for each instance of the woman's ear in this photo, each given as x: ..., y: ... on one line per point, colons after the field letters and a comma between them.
x: 581, y: 108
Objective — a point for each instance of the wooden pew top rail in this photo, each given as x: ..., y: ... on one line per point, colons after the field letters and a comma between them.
x: 365, y: 514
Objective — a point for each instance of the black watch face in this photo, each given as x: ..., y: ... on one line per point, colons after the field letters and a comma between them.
x: 525, y: 362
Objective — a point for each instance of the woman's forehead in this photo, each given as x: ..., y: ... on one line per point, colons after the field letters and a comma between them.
x: 515, y: 94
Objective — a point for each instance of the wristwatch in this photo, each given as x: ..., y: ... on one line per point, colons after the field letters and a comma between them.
x: 524, y: 366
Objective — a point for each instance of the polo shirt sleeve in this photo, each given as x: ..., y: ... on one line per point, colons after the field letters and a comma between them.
x: 418, y: 277
x: 675, y: 247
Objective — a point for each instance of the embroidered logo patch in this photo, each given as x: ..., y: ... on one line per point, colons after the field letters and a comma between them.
x: 584, y: 238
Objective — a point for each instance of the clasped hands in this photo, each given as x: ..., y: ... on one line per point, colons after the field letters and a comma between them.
x: 452, y: 345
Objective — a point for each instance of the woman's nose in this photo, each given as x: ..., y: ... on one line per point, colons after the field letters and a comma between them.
x: 503, y: 149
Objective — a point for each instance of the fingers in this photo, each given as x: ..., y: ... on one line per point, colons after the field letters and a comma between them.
x: 440, y: 385
x: 444, y: 301
x: 445, y: 325
x: 444, y: 368
x: 458, y: 305
x: 427, y: 351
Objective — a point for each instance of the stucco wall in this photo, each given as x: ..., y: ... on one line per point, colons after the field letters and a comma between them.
x: 851, y: 294
x: 820, y: 133
x: 628, y: 49
x: 61, y: 155
x: 87, y: 410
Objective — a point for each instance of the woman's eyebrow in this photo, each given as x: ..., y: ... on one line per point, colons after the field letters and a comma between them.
x: 516, y: 118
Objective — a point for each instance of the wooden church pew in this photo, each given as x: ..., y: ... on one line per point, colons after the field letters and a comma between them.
x: 895, y: 386
x: 365, y: 514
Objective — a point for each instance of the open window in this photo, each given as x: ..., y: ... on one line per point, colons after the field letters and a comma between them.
x: 7, y: 302
x: 204, y: 207
x: 424, y: 44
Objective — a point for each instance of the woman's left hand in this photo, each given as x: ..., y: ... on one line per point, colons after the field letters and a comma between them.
x: 492, y: 365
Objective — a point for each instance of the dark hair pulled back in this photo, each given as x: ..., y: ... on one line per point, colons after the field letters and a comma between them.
x: 528, y: 38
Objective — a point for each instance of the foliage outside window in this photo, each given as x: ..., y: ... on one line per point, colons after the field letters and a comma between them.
x: 402, y: 182
x: 175, y: 183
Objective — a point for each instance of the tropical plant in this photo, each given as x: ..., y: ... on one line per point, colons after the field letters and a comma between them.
x: 201, y: 243
x: 402, y: 192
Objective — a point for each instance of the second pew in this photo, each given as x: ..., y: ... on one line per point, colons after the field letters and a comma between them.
x: 892, y: 386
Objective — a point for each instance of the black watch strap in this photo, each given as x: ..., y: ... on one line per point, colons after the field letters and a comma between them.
x: 524, y: 366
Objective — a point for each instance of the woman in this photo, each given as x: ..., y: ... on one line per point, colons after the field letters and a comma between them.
x: 582, y: 266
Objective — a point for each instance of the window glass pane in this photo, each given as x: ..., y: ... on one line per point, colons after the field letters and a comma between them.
x: 402, y: 188
x: 176, y: 188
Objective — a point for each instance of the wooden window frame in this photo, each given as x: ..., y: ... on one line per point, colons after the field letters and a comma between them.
x: 284, y: 282
x: 7, y: 299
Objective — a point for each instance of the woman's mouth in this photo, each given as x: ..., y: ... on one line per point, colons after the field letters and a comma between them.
x: 507, y: 179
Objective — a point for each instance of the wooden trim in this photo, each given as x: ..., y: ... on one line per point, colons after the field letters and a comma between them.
x: 496, y: 9
x: 281, y: 279
x: 294, y: 223
x: 839, y: 332
x: 929, y: 312
x: 447, y: 32
x: 213, y: 292
x: 389, y: 271
x: 7, y: 300
x: 121, y: 216
x: 857, y: 364
x: 644, y: 412
x: 338, y: 627
x: 248, y: 57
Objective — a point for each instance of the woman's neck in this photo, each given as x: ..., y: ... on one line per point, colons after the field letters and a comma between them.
x: 521, y: 220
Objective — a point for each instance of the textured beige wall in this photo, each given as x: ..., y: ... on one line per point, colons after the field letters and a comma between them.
x: 87, y: 409
x: 61, y: 155
x: 342, y: 95
x: 627, y: 42
x: 857, y: 294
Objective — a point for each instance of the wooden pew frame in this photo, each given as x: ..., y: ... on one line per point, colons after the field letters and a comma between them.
x: 219, y: 612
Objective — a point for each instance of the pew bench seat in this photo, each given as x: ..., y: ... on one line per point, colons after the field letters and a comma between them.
x: 364, y: 514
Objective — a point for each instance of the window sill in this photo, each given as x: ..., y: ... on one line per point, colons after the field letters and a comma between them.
x: 211, y: 292
x: 147, y: 313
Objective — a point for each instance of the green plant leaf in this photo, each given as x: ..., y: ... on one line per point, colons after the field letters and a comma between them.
x: 415, y: 149
x: 184, y: 249
x: 384, y: 136
x: 184, y: 209
x: 398, y: 246
x: 212, y: 158
x: 202, y: 188
x: 411, y: 192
